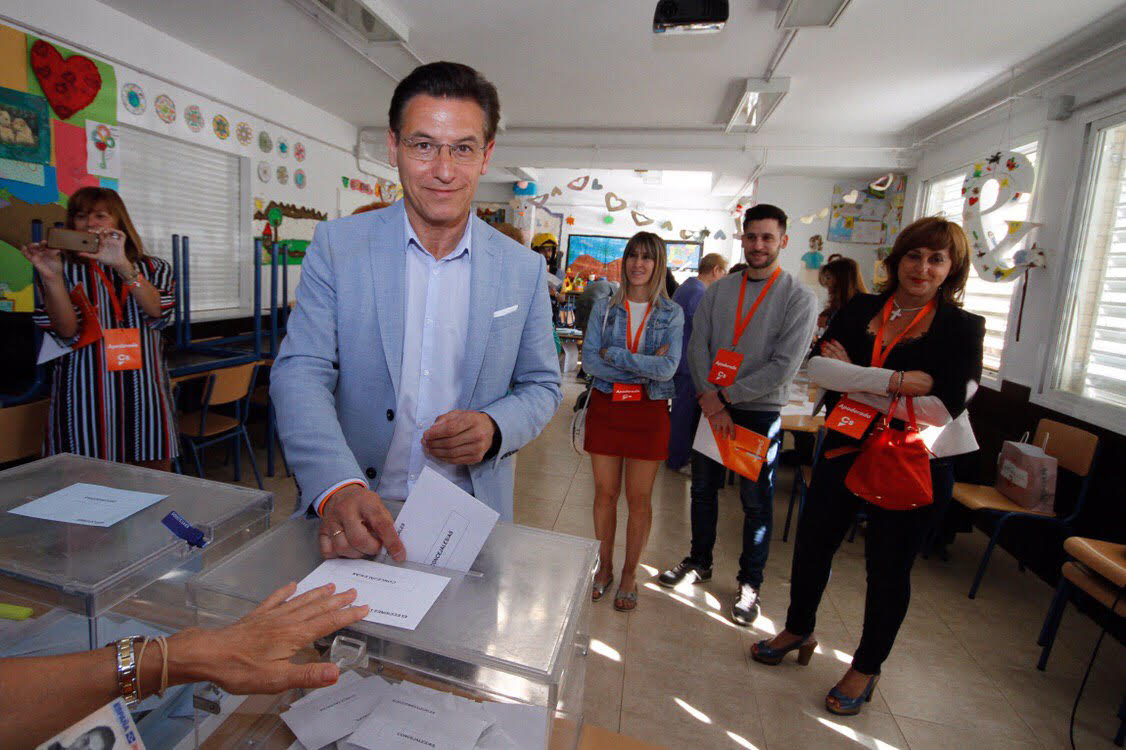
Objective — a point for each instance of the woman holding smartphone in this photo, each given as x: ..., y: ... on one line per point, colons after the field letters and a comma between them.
x: 110, y: 395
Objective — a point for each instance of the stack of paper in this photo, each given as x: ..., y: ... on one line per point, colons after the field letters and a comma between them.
x: 373, y: 714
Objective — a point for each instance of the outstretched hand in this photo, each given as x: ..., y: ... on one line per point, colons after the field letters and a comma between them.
x: 253, y: 654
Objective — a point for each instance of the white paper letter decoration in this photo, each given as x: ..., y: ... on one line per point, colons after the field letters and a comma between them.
x: 1014, y: 175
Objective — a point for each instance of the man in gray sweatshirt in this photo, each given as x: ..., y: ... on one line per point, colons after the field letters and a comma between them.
x: 749, y: 336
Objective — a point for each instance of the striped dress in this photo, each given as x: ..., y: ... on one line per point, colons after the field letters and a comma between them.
x: 116, y: 416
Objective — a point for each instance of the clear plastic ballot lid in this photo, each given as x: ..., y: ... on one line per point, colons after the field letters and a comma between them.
x: 517, y: 611
x: 88, y: 569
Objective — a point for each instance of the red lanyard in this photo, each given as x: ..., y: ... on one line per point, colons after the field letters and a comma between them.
x: 119, y: 318
x: 879, y: 353
x: 741, y: 324
x: 635, y: 341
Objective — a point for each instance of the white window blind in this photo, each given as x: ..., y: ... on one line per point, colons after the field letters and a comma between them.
x: 174, y: 187
x: 1094, y: 365
x: 986, y: 298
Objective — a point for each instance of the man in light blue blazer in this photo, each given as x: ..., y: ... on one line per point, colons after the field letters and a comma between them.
x: 421, y: 337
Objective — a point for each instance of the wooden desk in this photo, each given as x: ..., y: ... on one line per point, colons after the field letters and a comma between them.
x: 802, y: 423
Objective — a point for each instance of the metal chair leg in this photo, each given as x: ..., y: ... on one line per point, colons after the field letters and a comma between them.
x: 236, y: 447
x: 253, y: 460
x: 986, y: 556
x: 1052, y: 622
x: 195, y: 457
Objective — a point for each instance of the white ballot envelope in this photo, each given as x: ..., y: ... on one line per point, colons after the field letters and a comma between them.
x: 443, y: 525
x: 410, y: 717
x: 704, y: 441
x: 88, y: 504
x: 397, y: 596
x: 332, y: 713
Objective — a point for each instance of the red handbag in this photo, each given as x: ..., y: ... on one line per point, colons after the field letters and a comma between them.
x: 893, y: 469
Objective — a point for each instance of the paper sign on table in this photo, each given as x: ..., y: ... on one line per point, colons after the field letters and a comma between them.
x: 397, y: 596
x: 88, y: 504
x: 334, y: 712
x: 443, y: 525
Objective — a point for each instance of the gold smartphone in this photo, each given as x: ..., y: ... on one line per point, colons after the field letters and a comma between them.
x: 73, y: 240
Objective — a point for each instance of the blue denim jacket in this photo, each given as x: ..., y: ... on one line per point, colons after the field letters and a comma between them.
x: 665, y: 326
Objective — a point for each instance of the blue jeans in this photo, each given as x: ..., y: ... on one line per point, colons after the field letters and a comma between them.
x: 708, y: 477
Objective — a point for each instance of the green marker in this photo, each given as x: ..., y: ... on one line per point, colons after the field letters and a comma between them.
x: 14, y: 612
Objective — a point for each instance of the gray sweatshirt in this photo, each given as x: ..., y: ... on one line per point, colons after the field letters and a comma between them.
x: 773, y: 345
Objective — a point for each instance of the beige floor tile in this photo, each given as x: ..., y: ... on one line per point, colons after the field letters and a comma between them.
x: 926, y: 735
x: 793, y: 719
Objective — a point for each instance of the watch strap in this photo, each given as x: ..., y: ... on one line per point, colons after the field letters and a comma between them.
x: 127, y: 669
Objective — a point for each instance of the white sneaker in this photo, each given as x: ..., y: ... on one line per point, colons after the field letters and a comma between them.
x: 746, y: 607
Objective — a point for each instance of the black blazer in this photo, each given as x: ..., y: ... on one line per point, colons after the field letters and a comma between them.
x: 950, y: 351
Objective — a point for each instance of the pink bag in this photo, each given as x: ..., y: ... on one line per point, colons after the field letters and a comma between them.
x: 1027, y: 475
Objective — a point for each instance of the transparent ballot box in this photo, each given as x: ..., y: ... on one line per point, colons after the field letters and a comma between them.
x: 72, y: 574
x: 514, y: 629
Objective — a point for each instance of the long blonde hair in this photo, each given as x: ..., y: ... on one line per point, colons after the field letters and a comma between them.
x: 644, y: 244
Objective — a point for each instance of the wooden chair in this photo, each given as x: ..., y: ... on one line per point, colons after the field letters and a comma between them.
x: 1098, y: 568
x: 230, y: 385
x: 23, y: 427
x: 1075, y: 451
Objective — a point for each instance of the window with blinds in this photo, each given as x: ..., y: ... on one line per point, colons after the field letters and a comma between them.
x: 1094, y: 346
x: 986, y: 298
x: 173, y: 187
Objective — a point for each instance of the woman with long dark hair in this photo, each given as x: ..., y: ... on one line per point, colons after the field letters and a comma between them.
x: 110, y: 395
x: 913, y: 340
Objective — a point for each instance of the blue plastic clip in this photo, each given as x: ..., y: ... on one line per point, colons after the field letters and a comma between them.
x: 179, y: 526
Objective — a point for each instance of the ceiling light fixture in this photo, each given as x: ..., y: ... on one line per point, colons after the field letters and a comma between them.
x: 759, y: 99
x: 371, y: 28
x: 810, y: 14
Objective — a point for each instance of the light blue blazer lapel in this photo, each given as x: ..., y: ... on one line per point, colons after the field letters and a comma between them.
x: 485, y: 275
x: 387, y: 248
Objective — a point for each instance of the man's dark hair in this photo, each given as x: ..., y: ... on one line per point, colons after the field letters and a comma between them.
x: 765, y: 211
x: 447, y: 80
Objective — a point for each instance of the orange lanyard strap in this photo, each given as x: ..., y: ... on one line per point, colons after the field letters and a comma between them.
x: 635, y: 341
x: 879, y: 353
x: 742, y: 323
x: 117, y: 306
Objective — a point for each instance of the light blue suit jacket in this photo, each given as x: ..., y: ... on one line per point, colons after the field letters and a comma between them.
x: 335, y: 383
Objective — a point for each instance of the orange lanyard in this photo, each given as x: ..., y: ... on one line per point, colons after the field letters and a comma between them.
x: 117, y: 306
x: 879, y: 353
x: 635, y: 341
x: 741, y: 324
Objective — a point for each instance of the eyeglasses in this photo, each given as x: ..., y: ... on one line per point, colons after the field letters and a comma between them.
x: 423, y: 150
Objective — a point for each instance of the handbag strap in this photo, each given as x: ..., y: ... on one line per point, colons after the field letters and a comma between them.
x: 912, y: 423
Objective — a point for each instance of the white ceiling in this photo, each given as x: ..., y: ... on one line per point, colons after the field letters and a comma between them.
x: 583, y: 73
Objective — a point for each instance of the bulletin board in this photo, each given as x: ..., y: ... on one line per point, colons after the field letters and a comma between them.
x: 859, y: 214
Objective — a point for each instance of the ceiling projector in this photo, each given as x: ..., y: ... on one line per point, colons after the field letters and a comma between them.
x: 689, y: 16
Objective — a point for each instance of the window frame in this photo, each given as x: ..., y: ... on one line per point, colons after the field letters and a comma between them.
x: 989, y: 378
x: 1046, y: 394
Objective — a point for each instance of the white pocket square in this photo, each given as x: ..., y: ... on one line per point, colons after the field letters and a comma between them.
x: 505, y: 311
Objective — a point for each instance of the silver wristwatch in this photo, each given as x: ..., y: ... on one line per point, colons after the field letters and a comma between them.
x: 127, y: 677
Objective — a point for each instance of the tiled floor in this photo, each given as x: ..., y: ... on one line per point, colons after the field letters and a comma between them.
x: 675, y: 671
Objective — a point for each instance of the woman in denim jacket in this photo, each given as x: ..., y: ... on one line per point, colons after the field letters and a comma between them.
x: 632, y: 348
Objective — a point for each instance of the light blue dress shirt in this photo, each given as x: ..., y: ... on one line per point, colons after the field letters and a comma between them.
x: 437, y: 320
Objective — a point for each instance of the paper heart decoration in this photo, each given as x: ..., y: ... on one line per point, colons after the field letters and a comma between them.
x: 613, y: 202
x: 705, y: 233
x: 595, y: 184
x: 570, y: 221
x: 720, y: 234
x: 69, y: 84
x: 666, y: 225
x: 556, y: 191
x: 851, y: 196
x: 639, y: 219
x: 579, y: 182
x: 539, y: 200
x: 972, y: 200
x: 806, y: 219
x: 822, y: 213
x: 685, y: 234
x: 883, y: 183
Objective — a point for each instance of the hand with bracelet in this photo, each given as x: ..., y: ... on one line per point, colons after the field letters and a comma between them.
x: 910, y: 383
x: 44, y: 695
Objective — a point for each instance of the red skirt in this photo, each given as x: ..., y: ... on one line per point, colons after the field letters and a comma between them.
x: 630, y: 429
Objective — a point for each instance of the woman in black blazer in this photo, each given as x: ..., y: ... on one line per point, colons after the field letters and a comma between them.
x: 912, y: 340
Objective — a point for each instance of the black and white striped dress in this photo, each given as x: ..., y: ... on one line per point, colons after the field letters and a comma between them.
x: 117, y: 416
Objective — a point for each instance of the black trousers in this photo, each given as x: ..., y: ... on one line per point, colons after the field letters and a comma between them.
x: 891, y: 543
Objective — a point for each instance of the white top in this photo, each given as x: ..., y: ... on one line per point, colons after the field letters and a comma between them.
x: 942, y: 435
x: 636, y: 318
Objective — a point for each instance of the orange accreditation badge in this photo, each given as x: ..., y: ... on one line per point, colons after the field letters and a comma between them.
x: 851, y: 418
x: 727, y: 361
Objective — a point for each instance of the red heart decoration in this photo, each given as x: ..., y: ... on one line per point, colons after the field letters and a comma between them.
x: 973, y: 201
x: 69, y: 84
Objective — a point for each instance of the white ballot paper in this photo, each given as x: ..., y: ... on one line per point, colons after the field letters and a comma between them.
x: 704, y: 441
x: 88, y: 504
x: 332, y: 713
x: 443, y: 525
x: 412, y: 718
x: 397, y: 596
